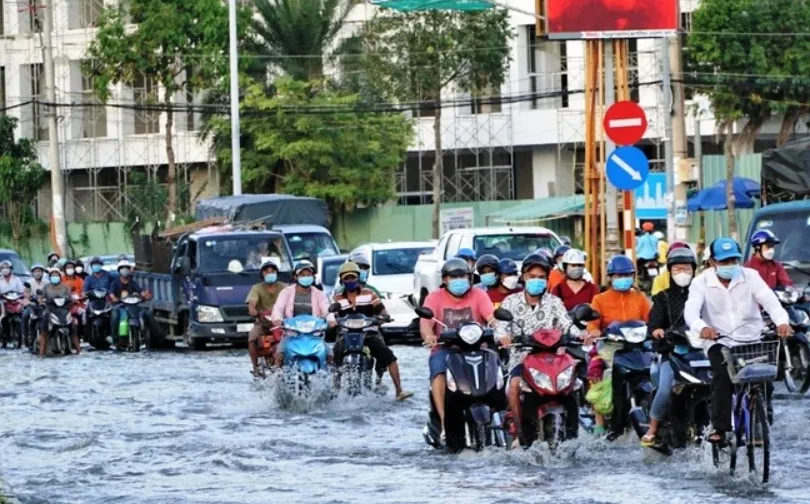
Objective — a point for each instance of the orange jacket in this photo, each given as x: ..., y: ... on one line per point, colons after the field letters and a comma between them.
x: 555, y: 278
x: 76, y: 283
x: 615, y: 306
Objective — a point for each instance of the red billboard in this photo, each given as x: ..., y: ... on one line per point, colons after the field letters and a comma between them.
x: 611, y: 18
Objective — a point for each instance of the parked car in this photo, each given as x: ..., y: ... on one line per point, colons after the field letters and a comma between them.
x: 392, y: 267
x: 504, y: 242
x: 326, y: 276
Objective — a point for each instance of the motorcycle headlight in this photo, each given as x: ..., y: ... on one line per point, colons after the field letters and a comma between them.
x: 634, y: 334
x: 564, y: 379
x: 542, y: 380
x: 804, y: 319
x: 132, y: 300
x: 470, y: 334
x: 451, y: 381
x: 98, y: 312
x: 12, y: 296
x: 209, y: 314
x: 54, y: 319
x: 303, y: 326
x: 59, y: 301
x: 355, y: 324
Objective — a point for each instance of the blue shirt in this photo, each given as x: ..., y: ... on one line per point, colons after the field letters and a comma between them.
x: 118, y: 286
x: 92, y: 282
x: 647, y: 247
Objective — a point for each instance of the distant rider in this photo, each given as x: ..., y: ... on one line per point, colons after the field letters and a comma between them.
x: 38, y: 282
x: 507, y: 282
x: 365, y: 267
x: 124, y: 285
x: 661, y: 282
x: 575, y: 289
x: 764, y: 243
x: 70, y: 279
x: 453, y: 304
x: 261, y: 298
x: 487, y: 268
x: 663, y: 247
x: 725, y: 302
x: 52, y: 259
x: 358, y: 299
x: 55, y: 289
x: 470, y: 256
x: 646, y: 246
x: 9, y: 282
x: 557, y: 275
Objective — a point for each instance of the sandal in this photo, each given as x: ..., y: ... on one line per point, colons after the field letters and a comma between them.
x: 649, y: 440
x: 404, y: 395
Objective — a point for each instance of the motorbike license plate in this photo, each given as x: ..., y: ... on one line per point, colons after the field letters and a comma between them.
x: 700, y: 364
x: 244, y: 327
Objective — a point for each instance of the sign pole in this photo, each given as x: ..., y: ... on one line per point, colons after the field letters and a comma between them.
x: 612, y: 246
x: 669, y: 159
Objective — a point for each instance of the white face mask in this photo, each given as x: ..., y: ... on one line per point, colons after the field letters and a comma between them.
x: 70, y: 271
x: 510, y: 282
x: 682, y: 279
x: 769, y: 253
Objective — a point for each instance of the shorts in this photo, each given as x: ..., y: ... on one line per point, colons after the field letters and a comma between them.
x: 438, y: 362
x: 517, y: 371
x: 256, y: 332
x: 383, y: 355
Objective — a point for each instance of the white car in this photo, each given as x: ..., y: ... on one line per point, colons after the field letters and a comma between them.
x: 392, y: 267
x: 503, y: 242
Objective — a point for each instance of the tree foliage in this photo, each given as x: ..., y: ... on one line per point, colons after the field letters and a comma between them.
x: 743, y: 60
x: 317, y: 144
x: 415, y: 56
x: 181, y: 45
x: 21, y: 177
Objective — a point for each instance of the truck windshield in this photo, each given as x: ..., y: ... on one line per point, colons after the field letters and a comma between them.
x: 217, y: 252
x: 793, y: 229
x: 311, y: 245
x: 513, y: 246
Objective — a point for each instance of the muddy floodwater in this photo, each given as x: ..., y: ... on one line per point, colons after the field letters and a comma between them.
x: 193, y: 427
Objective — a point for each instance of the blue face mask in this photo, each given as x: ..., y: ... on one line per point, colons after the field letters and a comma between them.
x: 458, y: 286
x: 363, y: 276
x: 728, y: 271
x: 351, y: 285
x: 536, y: 286
x: 55, y: 280
x: 489, y: 279
x: 305, y: 281
x: 270, y: 278
x: 96, y: 268
x: 623, y: 284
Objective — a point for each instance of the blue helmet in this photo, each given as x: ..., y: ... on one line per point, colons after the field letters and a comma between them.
x: 725, y: 248
x: 545, y: 251
x: 561, y: 250
x: 507, y: 267
x: 763, y: 237
x: 621, y: 265
x: 466, y: 253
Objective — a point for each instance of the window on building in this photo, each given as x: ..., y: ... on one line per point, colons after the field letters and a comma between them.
x: 36, y: 78
x: 90, y: 11
x: 633, y: 73
x: 548, y: 71
x: 144, y: 92
x: 487, y: 101
x: 94, y: 113
x: 36, y: 16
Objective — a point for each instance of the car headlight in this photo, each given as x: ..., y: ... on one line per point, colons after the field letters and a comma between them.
x: 355, y: 323
x: 451, y: 381
x: 209, y: 314
x: 542, y: 380
x: 634, y: 334
x: 564, y: 379
x: 470, y: 333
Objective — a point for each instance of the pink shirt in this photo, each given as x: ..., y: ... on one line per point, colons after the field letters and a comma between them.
x: 474, y: 306
x: 285, y: 304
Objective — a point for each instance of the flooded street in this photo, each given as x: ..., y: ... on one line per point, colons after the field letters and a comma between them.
x: 191, y: 427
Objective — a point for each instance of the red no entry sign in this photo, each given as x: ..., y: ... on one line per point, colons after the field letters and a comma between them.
x: 625, y: 122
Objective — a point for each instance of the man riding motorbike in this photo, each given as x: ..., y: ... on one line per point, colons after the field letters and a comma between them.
x: 507, y: 282
x: 9, y: 282
x: 646, y: 246
x: 358, y: 299
x: 620, y: 303
x: 453, y: 304
x: 98, y: 279
x: 365, y: 267
x: 55, y: 289
x: 666, y: 313
x: 725, y: 301
x: 124, y: 284
x: 487, y: 268
x: 537, y: 309
x: 661, y: 282
x: 261, y: 298
x: 764, y: 243
x: 38, y: 282
x: 557, y: 275
x: 575, y: 289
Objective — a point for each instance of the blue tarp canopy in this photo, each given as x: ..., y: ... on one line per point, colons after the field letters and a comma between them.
x: 714, y: 197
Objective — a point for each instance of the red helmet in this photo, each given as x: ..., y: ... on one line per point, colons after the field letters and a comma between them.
x: 679, y: 245
x: 648, y: 227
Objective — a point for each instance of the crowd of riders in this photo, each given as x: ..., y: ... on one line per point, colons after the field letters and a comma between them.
x: 69, y: 280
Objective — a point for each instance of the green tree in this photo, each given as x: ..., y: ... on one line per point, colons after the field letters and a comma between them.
x: 415, y: 56
x: 180, y: 45
x: 21, y: 176
x: 317, y: 143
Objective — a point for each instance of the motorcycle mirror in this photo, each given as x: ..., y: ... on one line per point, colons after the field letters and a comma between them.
x: 334, y: 307
x: 425, y: 313
x: 584, y: 313
x: 503, y: 315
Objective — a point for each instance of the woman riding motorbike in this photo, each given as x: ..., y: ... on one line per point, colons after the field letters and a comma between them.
x: 575, y: 289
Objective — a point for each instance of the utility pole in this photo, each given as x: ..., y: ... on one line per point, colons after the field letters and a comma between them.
x: 669, y: 157
x: 612, y: 244
x: 678, y: 138
x: 57, y: 186
x: 236, y: 158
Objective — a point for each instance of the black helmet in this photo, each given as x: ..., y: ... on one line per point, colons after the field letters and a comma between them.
x: 535, y: 259
x: 486, y: 260
x: 681, y: 256
x: 455, y: 267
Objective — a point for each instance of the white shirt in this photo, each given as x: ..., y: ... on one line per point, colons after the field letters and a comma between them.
x: 38, y: 285
x: 12, y: 284
x: 732, y: 311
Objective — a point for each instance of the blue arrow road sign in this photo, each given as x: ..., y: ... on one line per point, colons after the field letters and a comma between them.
x: 651, y: 202
x: 627, y: 168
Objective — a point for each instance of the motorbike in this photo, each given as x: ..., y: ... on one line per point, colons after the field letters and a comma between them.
x: 794, y: 362
x: 690, y: 404
x: 98, y: 319
x: 646, y: 276
x: 305, y: 353
x: 130, y: 328
x: 475, y: 399
x: 60, y: 325
x: 32, y: 331
x: 626, y: 345
x: 13, y: 307
x: 551, y: 373
x: 267, y: 343
x: 355, y: 371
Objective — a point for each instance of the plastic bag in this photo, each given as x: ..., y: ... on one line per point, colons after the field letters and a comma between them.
x: 600, y: 396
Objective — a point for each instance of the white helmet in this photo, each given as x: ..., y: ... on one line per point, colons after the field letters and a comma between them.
x: 123, y: 264
x: 574, y: 256
x: 658, y: 235
x: 707, y: 254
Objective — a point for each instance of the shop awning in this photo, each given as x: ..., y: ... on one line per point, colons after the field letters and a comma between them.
x: 540, y: 210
